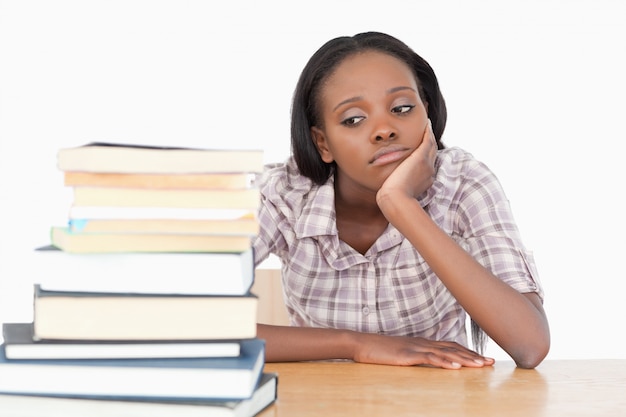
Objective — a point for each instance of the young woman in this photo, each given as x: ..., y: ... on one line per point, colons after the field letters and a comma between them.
x: 386, y: 237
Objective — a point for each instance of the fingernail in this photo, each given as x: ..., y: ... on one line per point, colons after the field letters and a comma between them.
x: 478, y: 361
x: 455, y: 364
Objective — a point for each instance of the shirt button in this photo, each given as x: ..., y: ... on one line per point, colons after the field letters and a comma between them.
x: 366, y: 310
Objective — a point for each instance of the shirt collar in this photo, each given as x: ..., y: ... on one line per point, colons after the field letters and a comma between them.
x: 318, y: 221
x: 318, y: 216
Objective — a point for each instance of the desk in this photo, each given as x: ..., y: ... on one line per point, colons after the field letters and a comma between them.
x: 555, y: 388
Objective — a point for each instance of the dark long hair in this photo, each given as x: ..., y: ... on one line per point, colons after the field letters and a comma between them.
x: 305, y: 111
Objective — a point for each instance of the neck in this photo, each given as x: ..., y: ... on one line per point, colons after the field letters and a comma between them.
x: 359, y: 219
x: 356, y: 204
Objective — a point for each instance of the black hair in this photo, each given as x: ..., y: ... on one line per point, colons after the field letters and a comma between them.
x: 305, y: 106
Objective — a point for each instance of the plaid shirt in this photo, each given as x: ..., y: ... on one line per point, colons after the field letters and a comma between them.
x: 390, y: 289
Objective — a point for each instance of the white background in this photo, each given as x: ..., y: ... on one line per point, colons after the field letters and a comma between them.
x: 534, y: 88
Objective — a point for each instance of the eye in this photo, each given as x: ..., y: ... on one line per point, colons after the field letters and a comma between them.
x: 405, y: 108
x: 352, y: 121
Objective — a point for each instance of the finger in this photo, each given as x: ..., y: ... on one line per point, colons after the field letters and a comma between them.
x: 433, y: 146
x: 428, y: 140
x: 438, y: 360
x: 473, y: 356
x: 464, y: 360
x: 447, y: 357
x: 432, y: 137
x: 466, y: 357
x: 431, y: 359
x: 456, y: 347
x: 428, y: 129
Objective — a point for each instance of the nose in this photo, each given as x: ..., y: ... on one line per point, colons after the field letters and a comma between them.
x: 385, y: 136
x: 384, y: 131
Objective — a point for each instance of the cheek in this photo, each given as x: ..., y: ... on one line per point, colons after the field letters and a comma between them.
x: 348, y: 150
x: 417, y: 130
x: 344, y: 143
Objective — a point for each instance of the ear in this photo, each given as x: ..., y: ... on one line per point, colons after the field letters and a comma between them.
x: 319, y: 139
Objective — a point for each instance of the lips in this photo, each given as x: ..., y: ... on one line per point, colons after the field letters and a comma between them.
x: 388, y: 154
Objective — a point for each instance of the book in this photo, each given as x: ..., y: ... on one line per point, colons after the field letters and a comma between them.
x: 232, y: 378
x: 103, y: 316
x: 19, y: 343
x: 211, y: 273
x: 242, y: 226
x: 184, y: 181
x: 68, y: 241
x: 147, y: 213
x: 27, y: 405
x: 243, y: 198
x: 140, y: 159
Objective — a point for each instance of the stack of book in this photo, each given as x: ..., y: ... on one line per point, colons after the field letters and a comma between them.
x: 146, y: 199
x: 146, y: 301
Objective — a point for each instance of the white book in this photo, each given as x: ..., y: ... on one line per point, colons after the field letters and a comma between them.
x: 211, y: 198
x: 20, y: 343
x: 218, y: 273
x: 145, y: 159
x: 182, y: 213
x: 103, y: 316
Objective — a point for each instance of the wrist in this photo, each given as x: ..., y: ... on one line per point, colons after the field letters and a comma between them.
x: 362, y: 346
x: 349, y: 342
x: 390, y: 202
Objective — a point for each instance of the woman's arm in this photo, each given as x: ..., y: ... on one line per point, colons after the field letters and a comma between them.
x: 517, y: 322
x: 288, y: 344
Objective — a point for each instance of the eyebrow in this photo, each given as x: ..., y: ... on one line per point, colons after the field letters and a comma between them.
x: 357, y: 98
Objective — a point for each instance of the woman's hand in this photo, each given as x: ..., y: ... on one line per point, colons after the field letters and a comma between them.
x: 416, y: 173
x: 400, y: 350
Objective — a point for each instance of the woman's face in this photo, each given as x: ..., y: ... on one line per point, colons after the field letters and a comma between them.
x: 373, y: 118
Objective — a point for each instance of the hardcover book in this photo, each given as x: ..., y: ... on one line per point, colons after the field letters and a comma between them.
x: 141, y: 159
x: 183, y: 181
x: 232, y: 378
x: 68, y: 241
x: 103, y: 316
x: 41, y: 406
x: 244, y: 198
x: 19, y: 343
x: 210, y: 273
x: 248, y: 226
x: 157, y: 213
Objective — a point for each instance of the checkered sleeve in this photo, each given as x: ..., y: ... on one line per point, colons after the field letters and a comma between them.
x: 490, y: 233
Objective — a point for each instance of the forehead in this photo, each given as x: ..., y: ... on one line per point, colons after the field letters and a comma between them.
x: 370, y: 68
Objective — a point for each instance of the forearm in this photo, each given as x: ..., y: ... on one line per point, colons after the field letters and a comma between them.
x: 290, y: 344
x: 511, y: 319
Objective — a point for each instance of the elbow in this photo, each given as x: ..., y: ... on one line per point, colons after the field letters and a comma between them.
x: 533, y: 346
x: 529, y: 361
x: 531, y: 356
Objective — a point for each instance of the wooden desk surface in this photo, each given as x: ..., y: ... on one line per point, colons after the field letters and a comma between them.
x: 555, y: 388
